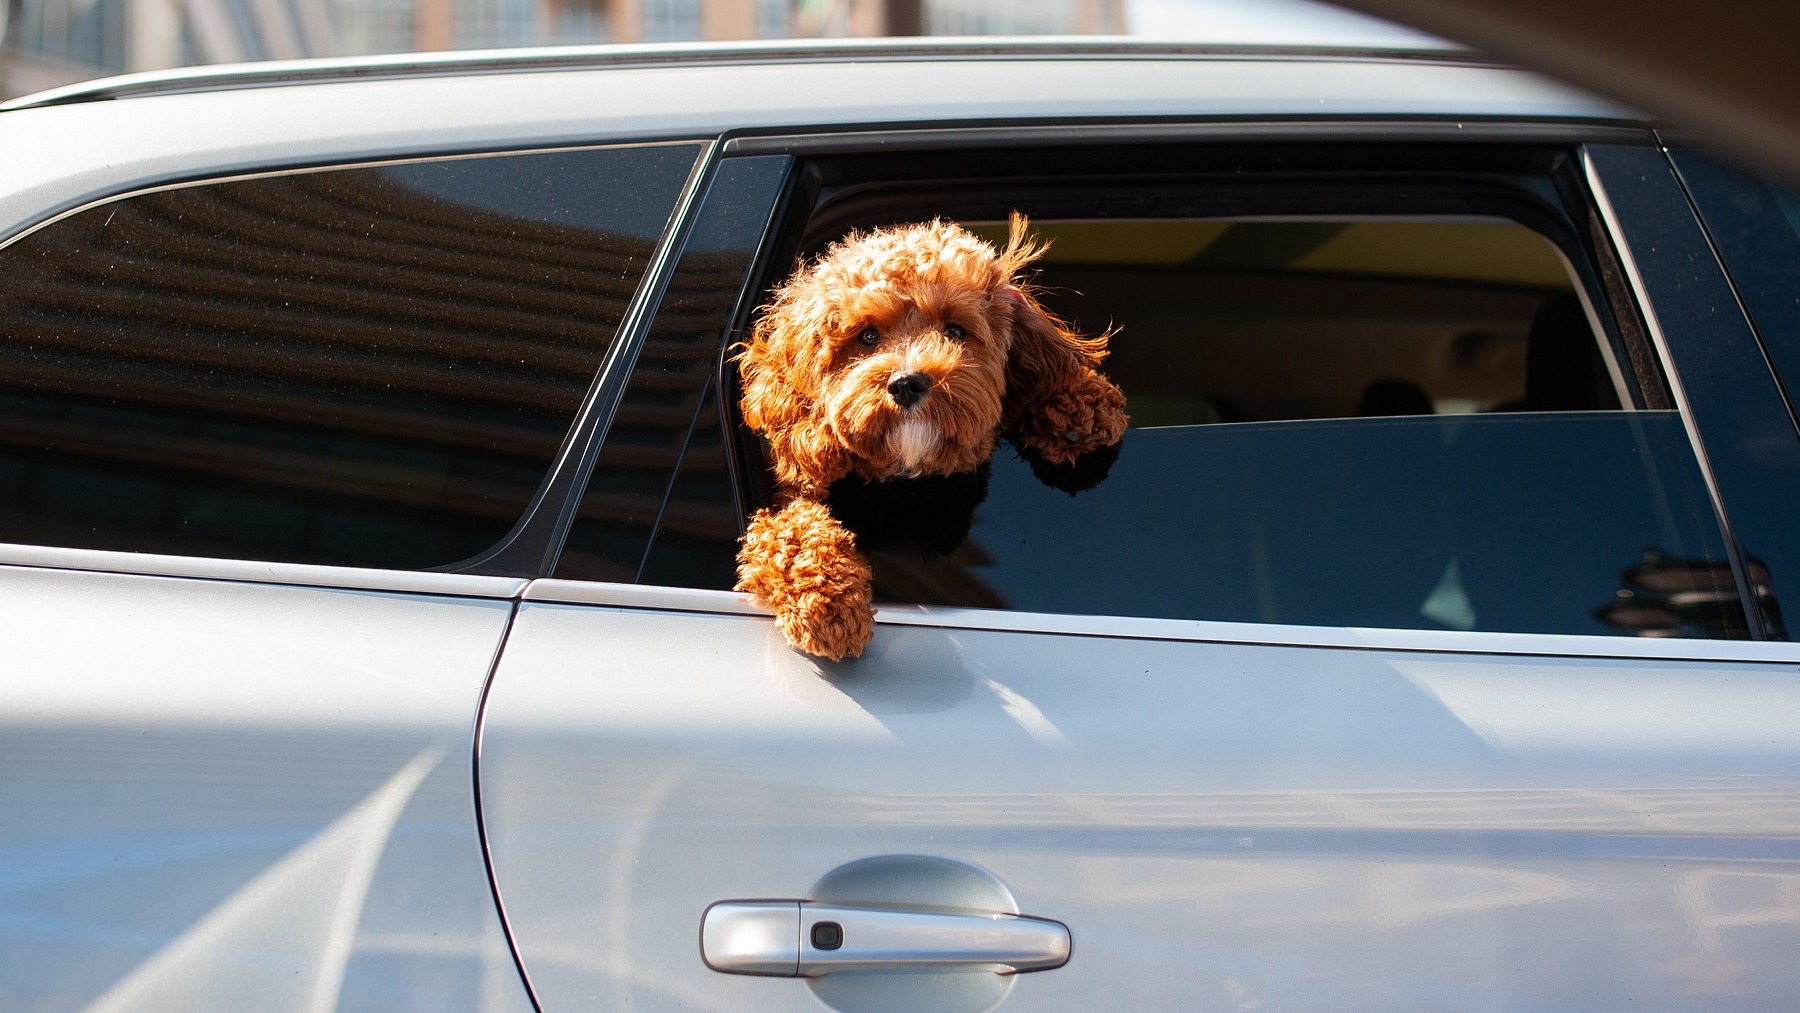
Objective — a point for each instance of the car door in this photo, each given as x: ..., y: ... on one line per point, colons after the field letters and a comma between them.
x: 1485, y: 708
x: 258, y: 438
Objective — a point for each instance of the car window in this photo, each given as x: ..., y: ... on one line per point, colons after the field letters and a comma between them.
x: 369, y: 366
x: 1355, y: 402
x: 1381, y: 422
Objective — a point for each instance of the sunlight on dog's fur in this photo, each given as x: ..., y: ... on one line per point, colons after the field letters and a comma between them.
x: 900, y: 353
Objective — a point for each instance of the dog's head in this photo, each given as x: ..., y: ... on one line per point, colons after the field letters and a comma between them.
x: 896, y: 354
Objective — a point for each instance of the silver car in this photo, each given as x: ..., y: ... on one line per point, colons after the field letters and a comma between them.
x: 371, y: 473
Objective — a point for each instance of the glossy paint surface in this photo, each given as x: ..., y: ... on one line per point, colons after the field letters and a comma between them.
x: 230, y: 796
x: 1220, y: 825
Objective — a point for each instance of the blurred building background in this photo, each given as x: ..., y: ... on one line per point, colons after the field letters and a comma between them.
x: 54, y: 42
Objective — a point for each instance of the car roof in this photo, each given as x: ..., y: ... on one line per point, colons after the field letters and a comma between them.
x: 106, y: 137
x: 1279, y: 44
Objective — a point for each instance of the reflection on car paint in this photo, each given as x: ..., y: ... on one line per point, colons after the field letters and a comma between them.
x: 284, y: 939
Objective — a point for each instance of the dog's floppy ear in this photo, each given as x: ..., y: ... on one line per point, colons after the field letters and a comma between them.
x: 1059, y: 409
x: 779, y: 367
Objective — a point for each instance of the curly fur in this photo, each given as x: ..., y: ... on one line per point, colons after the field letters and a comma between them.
x: 932, y: 302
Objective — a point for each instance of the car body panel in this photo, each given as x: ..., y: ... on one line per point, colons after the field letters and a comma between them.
x: 1218, y: 823
x: 233, y: 788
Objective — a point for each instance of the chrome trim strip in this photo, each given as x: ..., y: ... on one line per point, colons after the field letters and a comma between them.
x: 1560, y: 645
x: 1677, y: 393
x: 254, y: 572
x: 276, y: 73
x: 639, y: 596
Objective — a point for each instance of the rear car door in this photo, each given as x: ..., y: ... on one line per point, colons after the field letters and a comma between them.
x: 266, y: 442
x: 1422, y: 650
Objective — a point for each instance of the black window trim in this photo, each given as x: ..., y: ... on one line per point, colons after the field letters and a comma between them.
x: 531, y: 548
x: 888, y: 137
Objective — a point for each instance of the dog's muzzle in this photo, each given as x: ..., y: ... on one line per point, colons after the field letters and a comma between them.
x: 908, y: 389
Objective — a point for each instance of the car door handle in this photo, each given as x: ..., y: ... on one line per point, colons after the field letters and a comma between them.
x: 800, y: 939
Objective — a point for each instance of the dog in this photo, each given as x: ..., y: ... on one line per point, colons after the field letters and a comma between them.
x: 898, y: 359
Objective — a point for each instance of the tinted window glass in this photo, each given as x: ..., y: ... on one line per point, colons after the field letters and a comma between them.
x: 369, y: 366
x: 659, y: 506
x: 1568, y: 523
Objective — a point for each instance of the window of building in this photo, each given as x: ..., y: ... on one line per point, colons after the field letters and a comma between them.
x: 671, y: 20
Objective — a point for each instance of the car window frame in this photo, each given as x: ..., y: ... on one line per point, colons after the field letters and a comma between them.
x: 1613, y: 269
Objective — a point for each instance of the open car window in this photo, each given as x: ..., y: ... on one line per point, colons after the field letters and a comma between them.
x: 1357, y: 399
x: 1262, y: 321
x: 1400, y: 422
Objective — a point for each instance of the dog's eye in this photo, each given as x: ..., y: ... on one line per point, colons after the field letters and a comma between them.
x: 870, y: 336
x: 955, y: 332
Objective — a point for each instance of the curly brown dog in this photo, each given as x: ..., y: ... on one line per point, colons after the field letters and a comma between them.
x: 900, y: 353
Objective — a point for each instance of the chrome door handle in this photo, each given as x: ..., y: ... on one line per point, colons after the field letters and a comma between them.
x: 799, y: 939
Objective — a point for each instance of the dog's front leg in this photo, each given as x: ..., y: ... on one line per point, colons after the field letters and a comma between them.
x: 802, y: 565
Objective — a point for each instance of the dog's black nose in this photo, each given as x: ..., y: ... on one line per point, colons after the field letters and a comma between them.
x: 908, y: 388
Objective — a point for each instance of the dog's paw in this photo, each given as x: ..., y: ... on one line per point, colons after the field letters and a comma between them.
x: 1078, y: 475
x: 1074, y: 421
x: 833, y: 628
x: 802, y: 565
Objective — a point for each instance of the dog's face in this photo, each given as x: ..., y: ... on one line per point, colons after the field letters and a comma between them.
x: 912, y: 373
x: 890, y: 354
